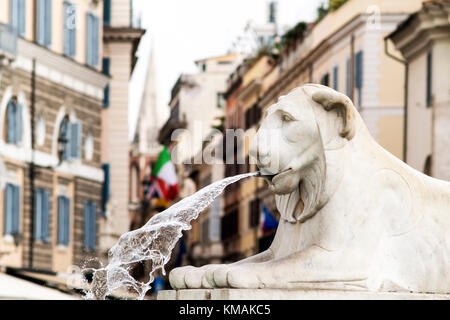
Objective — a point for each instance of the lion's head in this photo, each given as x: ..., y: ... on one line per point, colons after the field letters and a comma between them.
x: 291, y: 144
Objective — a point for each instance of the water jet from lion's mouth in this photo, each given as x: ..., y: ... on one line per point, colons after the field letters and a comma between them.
x: 271, y: 176
x: 152, y: 242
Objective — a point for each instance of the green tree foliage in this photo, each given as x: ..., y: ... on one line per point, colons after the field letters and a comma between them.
x: 335, y: 4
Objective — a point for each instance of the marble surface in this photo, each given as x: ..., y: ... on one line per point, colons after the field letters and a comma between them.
x: 291, y: 294
x: 352, y: 214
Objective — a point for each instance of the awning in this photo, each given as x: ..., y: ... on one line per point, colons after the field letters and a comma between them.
x: 16, y: 288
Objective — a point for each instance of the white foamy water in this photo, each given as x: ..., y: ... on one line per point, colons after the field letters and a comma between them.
x: 153, y: 242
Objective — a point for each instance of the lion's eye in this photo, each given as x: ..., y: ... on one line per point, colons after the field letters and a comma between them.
x: 286, y: 118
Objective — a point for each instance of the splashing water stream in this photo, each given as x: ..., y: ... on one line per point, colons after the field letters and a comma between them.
x: 154, y: 241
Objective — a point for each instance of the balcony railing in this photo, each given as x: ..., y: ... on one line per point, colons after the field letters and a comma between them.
x: 8, y: 41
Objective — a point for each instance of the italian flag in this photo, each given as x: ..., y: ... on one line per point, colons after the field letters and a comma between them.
x: 164, y: 177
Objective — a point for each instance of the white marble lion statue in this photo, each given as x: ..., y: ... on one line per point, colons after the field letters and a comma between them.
x: 353, y: 216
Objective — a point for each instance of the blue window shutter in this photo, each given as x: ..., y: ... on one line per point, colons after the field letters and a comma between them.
x: 335, y: 77
x: 16, y: 210
x: 61, y: 203
x: 48, y: 23
x: 11, y: 120
x: 40, y: 21
x: 93, y: 226
x: 63, y: 220
x: 88, y: 38
x: 359, y: 66
x: 106, y: 63
x: 92, y: 40
x: 106, y: 96
x: 18, y: 122
x: 105, y: 188
x: 66, y: 6
x: 69, y: 29
x: 66, y: 220
x: 95, y: 41
x: 45, y: 216
x: 107, y: 12
x: 9, y: 195
x: 13, y: 15
x: 21, y: 17
x: 73, y: 36
x: 38, y: 214
x: 86, y: 224
x: 75, y: 140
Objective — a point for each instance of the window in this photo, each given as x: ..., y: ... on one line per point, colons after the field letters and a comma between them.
x: 90, y: 212
x: 429, y: 81
x: 221, y: 100
x: 17, y: 15
x: 70, y: 137
x: 325, y: 80
x: 252, y: 116
x: 105, y: 187
x: 107, y: 13
x: 359, y: 75
x: 255, y: 213
x: 41, y: 215
x: 13, y: 122
x: 63, y: 220
x: 205, y: 231
x: 105, y: 69
x: 70, y: 28
x: 92, y: 39
x: 134, y: 182
x: 11, y: 209
x: 44, y: 22
x: 204, y: 67
x: 229, y: 225
x: 335, y: 77
x: 272, y: 12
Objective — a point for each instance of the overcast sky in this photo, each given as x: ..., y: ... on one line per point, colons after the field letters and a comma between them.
x: 182, y: 31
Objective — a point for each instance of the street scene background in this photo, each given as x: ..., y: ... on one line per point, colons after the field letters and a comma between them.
x: 111, y: 111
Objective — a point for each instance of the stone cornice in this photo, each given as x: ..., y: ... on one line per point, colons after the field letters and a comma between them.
x: 421, y: 28
x: 60, y: 69
x: 122, y: 34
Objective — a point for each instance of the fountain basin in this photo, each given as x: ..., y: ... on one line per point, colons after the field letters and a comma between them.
x: 293, y: 294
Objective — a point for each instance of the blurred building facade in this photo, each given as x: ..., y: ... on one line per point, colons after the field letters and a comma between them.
x: 344, y: 50
x: 198, y: 107
x: 51, y: 92
x: 145, y: 149
x: 424, y: 41
x: 120, y: 42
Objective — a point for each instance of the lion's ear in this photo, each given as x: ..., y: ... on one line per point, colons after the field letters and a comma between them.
x: 331, y: 99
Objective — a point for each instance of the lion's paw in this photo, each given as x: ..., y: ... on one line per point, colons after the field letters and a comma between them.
x: 244, y: 278
x: 235, y: 277
x: 177, y: 277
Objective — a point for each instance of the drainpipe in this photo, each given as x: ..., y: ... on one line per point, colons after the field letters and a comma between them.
x: 405, y: 97
x: 352, y: 68
x: 32, y: 208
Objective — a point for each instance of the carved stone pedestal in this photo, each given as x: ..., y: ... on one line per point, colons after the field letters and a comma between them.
x: 291, y: 294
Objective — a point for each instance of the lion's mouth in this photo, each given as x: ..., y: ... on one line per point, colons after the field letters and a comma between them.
x: 272, y: 177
